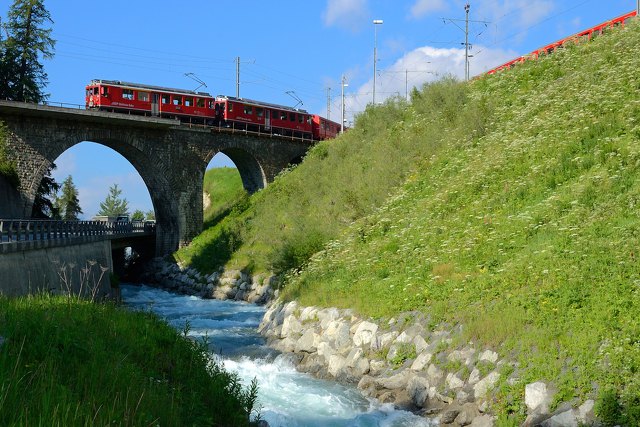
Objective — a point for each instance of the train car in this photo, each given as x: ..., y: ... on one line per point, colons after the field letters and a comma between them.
x: 256, y: 116
x: 585, y: 35
x: 324, y: 128
x: 118, y: 96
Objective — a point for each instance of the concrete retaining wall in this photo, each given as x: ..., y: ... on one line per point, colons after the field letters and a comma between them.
x: 57, y: 269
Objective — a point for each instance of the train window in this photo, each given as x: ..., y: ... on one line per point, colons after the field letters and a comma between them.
x: 259, y: 111
x: 188, y: 101
x: 199, y: 102
x: 283, y: 115
x: 248, y: 109
x: 292, y: 117
x: 127, y: 94
x: 308, y: 120
x: 177, y: 100
x: 300, y: 118
x: 143, y: 96
x: 165, y: 99
x: 230, y: 107
x: 105, y: 91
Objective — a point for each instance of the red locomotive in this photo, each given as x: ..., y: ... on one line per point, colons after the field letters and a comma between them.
x: 576, y: 38
x: 223, y: 112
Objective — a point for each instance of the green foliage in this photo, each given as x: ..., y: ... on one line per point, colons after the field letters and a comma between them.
x: 223, y: 190
x: 137, y: 215
x: 150, y: 215
x: 68, y: 204
x: 114, y: 205
x: 7, y: 167
x: 405, y: 351
x: 44, y: 205
x: 22, y: 76
x: 71, y: 362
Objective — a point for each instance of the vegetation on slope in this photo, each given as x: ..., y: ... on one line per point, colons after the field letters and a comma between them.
x: 526, y: 235
x: 69, y: 362
x: 518, y: 219
x: 224, y: 188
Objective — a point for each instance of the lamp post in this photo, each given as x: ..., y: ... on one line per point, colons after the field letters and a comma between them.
x: 342, y: 86
x: 376, y: 22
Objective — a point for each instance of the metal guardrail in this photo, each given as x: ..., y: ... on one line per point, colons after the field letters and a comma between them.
x: 21, y: 230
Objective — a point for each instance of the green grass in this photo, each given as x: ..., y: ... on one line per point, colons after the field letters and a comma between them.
x: 66, y: 362
x: 7, y: 168
x: 508, y: 206
x: 224, y: 187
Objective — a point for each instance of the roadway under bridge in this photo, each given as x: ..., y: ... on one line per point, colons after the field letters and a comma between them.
x: 171, y: 159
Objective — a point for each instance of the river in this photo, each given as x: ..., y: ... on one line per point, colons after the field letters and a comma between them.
x: 287, y: 398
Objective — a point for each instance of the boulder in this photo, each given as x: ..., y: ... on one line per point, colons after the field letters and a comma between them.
x: 418, y: 389
x: 537, y: 397
x: 485, y: 385
x: 365, y: 333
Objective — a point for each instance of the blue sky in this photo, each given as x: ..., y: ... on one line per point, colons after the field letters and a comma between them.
x: 284, y: 45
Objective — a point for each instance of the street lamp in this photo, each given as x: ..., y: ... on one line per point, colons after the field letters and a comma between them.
x: 376, y: 22
x: 342, y: 86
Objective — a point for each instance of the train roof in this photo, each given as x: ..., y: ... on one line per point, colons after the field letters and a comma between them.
x: 149, y: 87
x: 262, y: 104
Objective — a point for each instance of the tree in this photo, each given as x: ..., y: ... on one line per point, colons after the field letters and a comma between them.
x: 68, y: 204
x: 22, y: 76
x: 137, y: 215
x: 151, y: 215
x: 114, y: 205
x: 43, y: 206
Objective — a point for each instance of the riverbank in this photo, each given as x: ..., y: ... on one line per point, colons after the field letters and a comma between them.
x: 406, y: 361
x: 68, y: 361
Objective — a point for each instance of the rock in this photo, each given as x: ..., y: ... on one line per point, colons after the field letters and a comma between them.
x: 337, y: 332
x: 463, y: 355
x: 325, y: 350
x: 306, y: 343
x: 585, y: 412
x: 336, y: 365
x: 449, y: 416
x: 484, y: 385
x: 421, y: 361
x: 488, y: 356
x: 537, y: 397
x: 453, y: 382
x: 394, y: 382
x: 327, y: 315
x: 474, y: 377
x: 563, y: 419
x: 467, y: 414
x: 418, y: 390
x: 290, y: 327
x: 365, y: 333
x: 357, y: 362
x: 309, y: 314
x: 434, y: 374
x: 482, y: 421
x: 383, y: 340
x: 420, y: 344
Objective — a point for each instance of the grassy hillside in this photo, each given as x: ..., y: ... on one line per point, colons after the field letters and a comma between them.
x: 516, y: 217
x: 224, y: 188
x: 66, y: 362
x: 527, y: 235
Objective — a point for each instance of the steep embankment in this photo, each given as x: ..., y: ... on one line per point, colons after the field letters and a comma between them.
x: 527, y: 235
x: 518, y: 219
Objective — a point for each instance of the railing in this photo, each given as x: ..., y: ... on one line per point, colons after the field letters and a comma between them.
x: 20, y: 230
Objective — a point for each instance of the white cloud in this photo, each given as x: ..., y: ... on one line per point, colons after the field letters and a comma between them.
x: 423, y: 7
x: 65, y: 166
x: 513, y: 17
x: 420, y: 66
x: 345, y: 13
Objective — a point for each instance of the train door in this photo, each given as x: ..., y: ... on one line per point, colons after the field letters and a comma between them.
x: 267, y: 119
x: 155, y: 104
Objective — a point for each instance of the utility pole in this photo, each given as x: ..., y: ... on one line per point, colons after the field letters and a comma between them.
x: 237, y: 77
x: 466, y: 43
x: 343, y: 84
x: 329, y: 101
x: 376, y: 22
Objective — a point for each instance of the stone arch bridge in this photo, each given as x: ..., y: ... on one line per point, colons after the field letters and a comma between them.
x: 171, y: 159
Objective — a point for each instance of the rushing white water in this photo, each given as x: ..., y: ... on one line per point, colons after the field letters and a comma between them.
x: 287, y: 398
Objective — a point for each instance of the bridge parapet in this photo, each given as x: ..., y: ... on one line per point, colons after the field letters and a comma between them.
x: 21, y: 234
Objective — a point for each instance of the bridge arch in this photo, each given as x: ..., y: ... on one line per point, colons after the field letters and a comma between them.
x: 171, y: 159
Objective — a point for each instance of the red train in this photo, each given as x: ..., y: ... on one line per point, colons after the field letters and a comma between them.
x: 576, y: 38
x: 223, y: 112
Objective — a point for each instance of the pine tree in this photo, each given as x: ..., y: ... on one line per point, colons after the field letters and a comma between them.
x: 68, y: 203
x: 114, y: 205
x: 43, y: 206
x: 137, y: 215
x: 22, y: 75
